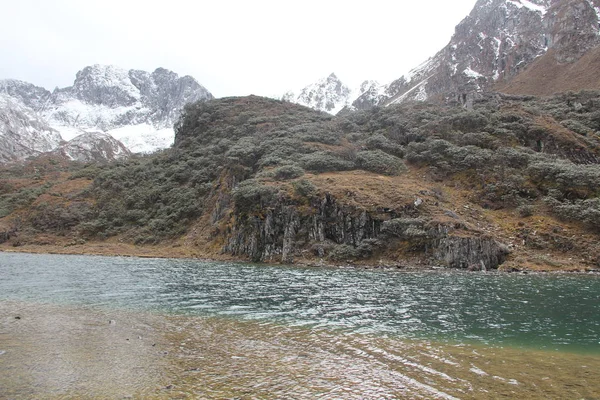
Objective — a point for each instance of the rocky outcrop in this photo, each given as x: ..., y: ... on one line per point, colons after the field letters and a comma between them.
x: 285, y: 230
x: 572, y: 28
x: 450, y: 244
x: 475, y: 253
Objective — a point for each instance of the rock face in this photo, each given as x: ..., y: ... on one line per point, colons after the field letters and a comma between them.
x: 328, y: 94
x: 282, y: 232
x: 572, y: 28
x: 22, y: 132
x: 93, y: 146
x: 497, y: 41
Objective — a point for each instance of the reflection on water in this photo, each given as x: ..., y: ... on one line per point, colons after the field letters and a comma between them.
x: 98, y: 327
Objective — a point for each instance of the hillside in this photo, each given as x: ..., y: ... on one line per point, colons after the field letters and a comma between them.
x: 509, y: 184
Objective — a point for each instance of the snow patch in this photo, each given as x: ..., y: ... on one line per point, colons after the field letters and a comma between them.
x: 328, y: 94
x: 472, y: 74
x: 420, y: 89
x: 74, y: 112
x: 110, y: 76
x: 144, y: 138
x: 417, y: 72
x: 529, y: 5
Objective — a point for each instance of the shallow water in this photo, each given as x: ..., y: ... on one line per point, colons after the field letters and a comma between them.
x: 99, y: 327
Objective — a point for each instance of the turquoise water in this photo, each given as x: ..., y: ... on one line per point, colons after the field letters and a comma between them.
x: 554, y: 312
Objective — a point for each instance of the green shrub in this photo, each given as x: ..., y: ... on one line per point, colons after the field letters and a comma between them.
x: 380, y: 142
x: 23, y: 198
x: 525, y: 210
x: 576, y: 127
x: 252, y: 195
x: 344, y: 252
x: 379, y: 162
x: 304, y: 188
x: 324, y: 161
x: 585, y: 211
x: 286, y: 172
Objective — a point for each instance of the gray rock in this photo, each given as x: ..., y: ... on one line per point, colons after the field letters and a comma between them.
x: 93, y: 146
x: 23, y: 133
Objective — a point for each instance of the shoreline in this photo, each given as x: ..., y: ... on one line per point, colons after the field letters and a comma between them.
x: 183, y: 253
x: 123, y: 354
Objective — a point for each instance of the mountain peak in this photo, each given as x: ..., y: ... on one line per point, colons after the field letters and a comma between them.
x: 327, y: 94
x: 493, y: 44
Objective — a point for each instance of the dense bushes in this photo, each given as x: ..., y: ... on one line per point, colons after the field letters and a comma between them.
x: 251, y: 195
x: 13, y: 200
x: 585, y: 211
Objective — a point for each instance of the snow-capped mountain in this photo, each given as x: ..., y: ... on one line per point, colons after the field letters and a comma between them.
x: 137, y: 107
x: 93, y: 146
x: 328, y: 94
x: 22, y: 132
x: 497, y: 41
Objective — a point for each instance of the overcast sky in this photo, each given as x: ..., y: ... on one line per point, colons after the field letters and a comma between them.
x: 231, y: 47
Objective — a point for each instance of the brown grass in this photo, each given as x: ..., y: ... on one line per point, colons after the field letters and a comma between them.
x: 545, y: 76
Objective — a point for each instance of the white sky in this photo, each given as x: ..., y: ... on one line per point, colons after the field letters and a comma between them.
x: 232, y: 47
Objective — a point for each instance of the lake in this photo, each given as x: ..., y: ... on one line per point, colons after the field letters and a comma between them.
x: 111, y: 327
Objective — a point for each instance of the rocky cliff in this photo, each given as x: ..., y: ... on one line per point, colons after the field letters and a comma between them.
x: 330, y: 228
x: 572, y: 62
